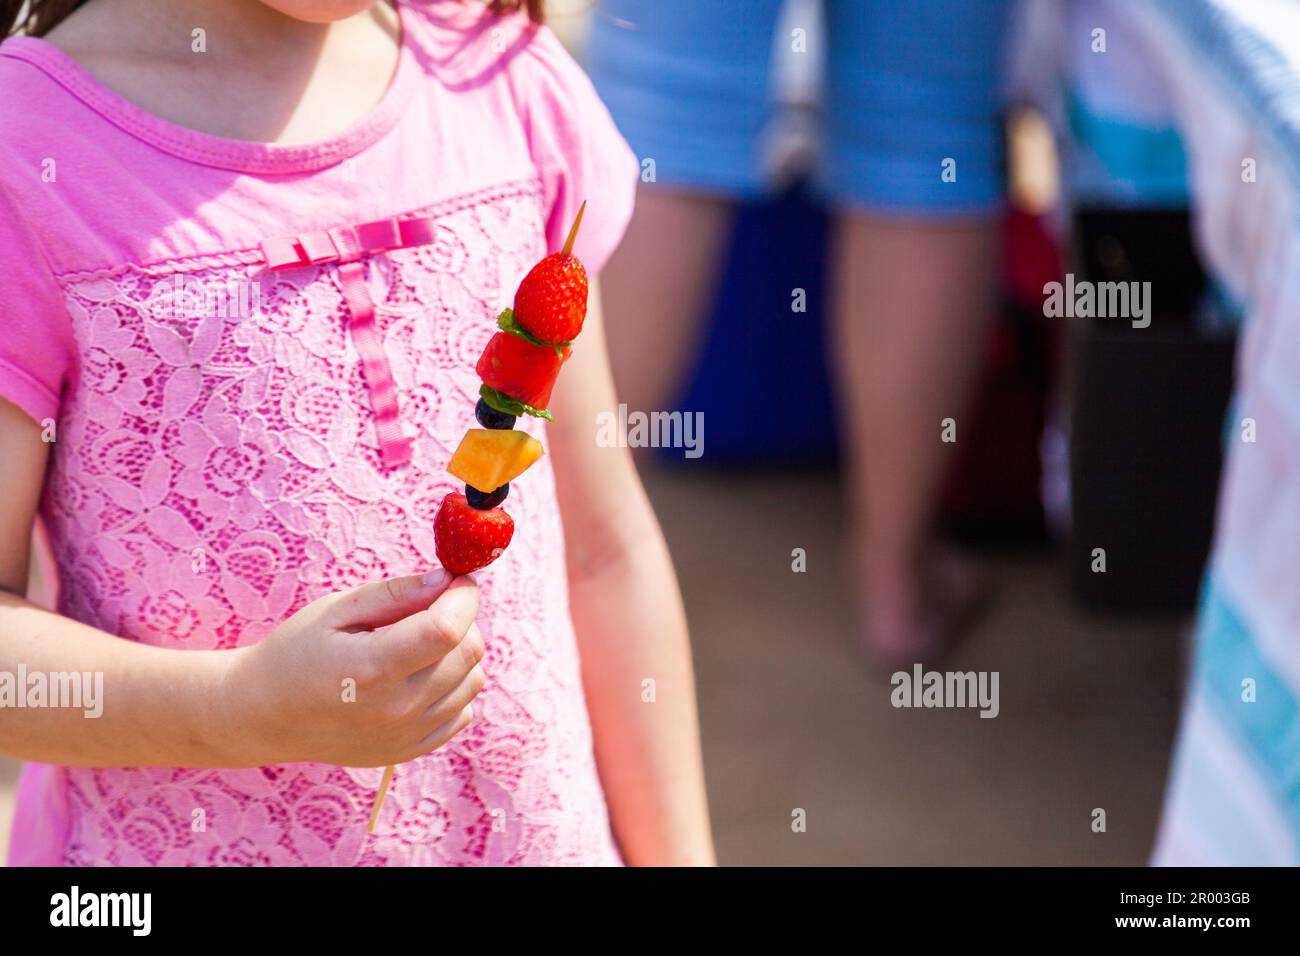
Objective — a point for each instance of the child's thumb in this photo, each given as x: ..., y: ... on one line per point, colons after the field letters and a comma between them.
x: 385, y: 602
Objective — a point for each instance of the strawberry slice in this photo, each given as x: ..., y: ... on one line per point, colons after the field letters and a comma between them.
x: 466, y: 538
x: 519, y: 369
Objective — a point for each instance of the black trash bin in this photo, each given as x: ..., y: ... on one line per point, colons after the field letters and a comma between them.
x: 1147, y: 422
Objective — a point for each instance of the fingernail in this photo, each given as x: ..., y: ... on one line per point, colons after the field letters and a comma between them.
x: 435, y: 579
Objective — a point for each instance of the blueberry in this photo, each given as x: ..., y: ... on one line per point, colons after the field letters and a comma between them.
x: 485, y: 500
x: 489, y: 417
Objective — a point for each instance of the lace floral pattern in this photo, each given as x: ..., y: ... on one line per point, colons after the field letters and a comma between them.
x: 216, y: 469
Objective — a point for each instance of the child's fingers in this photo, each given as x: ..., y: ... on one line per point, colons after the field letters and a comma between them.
x: 436, y: 738
x: 457, y: 697
x: 430, y: 683
x: 426, y: 637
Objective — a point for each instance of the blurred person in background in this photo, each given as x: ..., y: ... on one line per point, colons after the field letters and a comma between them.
x: 913, y: 167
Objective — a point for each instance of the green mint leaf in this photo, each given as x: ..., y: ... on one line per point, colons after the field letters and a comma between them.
x: 510, y: 406
x: 506, y: 323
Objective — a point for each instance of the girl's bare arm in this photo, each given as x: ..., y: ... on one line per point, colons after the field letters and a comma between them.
x: 630, y: 624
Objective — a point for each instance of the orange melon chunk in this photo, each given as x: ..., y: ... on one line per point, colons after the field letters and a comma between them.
x: 489, y: 457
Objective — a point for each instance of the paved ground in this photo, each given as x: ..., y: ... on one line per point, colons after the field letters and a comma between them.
x: 791, y: 719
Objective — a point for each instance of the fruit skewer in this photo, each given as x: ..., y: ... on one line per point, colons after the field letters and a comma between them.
x: 518, y: 369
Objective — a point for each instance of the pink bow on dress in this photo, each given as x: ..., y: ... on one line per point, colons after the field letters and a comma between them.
x: 346, y: 245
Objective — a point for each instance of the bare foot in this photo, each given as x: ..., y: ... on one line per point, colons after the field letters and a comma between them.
x: 916, y: 617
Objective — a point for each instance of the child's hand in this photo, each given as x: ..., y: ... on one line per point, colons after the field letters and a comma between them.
x: 376, y: 675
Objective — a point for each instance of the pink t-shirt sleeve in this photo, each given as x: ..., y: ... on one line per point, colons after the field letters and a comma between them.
x: 580, y: 152
x: 35, y: 334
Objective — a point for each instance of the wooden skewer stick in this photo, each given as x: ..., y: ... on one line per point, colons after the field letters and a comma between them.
x: 379, y: 799
x: 573, y: 231
x: 388, y: 771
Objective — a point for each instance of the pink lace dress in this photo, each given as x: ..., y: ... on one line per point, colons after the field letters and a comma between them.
x: 200, y: 319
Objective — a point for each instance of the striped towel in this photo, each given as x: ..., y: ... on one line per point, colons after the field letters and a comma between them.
x: 1234, y: 791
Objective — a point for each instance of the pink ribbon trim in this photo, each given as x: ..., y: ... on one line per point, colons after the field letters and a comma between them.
x: 346, y: 245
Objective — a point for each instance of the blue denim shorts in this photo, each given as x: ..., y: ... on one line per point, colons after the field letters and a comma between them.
x: 910, y: 88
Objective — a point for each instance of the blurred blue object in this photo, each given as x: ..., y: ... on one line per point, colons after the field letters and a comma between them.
x: 762, y: 379
x: 1124, y: 164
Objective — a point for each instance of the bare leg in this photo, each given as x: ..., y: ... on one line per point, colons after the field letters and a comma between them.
x: 911, y: 302
x: 656, y: 287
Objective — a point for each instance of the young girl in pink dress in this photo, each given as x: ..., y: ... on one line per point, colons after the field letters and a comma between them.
x: 232, y: 235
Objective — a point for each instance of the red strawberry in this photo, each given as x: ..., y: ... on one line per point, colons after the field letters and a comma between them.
x: 551, y: 302
x: 519, y: 369
x: 467, y: 539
